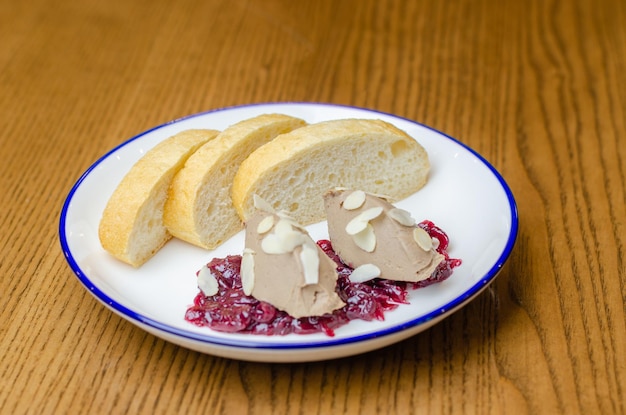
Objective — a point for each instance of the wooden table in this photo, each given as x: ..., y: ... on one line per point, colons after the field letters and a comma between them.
x: 536, y: 87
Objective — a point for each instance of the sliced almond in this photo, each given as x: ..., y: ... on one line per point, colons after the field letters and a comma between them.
x: 401, y: 216
x: 359, y: 222
x: 355, y: 226
x: 283, y: 226
x: 247, y: 271
x: 265, y: 225
x: 284, y: 239
x: 371, y: 213
x: 365, y: 272
x: 354, y: 200
x: 423, y: 239
x: 207, y: 282
x: 310, y: 262
x: 366, y: 239
x: 281, y: 244
x: 272, y: 244
x: 292, y: 240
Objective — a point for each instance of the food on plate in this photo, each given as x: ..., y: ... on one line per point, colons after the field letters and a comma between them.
x: 199, y: 209
x: 378, y: 239
x: 285, y: 283
x: 293, y: 171
x: 131, y: 227
x: 283, y: 266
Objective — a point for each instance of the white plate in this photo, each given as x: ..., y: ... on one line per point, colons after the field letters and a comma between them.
x: 465, y: 196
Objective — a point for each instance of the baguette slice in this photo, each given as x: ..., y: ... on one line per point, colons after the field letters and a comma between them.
x: 294, y: 170
x: 131, y: 227
x: 199, y: 209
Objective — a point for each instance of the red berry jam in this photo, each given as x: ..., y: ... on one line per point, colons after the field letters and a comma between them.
x: 230, y: 310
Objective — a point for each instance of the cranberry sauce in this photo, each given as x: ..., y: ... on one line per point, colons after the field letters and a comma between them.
x: 230, y: 310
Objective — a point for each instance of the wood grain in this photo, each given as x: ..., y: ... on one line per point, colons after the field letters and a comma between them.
x: 536, y: 87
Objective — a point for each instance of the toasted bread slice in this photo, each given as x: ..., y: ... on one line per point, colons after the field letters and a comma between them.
x: 293, y: 171
x: 131, y: 227
x: 199, y: 209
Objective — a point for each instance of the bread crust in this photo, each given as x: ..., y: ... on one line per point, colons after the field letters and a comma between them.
x: 131, y: 228
x: 293, y: 171
x: 199, y: 209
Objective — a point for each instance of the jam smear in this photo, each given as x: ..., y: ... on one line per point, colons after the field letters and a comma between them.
x: 230, y: 310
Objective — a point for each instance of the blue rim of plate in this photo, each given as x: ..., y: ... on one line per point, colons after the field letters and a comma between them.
x: 252, y: 344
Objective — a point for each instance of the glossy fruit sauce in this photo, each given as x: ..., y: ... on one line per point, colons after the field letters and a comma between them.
x: 230, y: 310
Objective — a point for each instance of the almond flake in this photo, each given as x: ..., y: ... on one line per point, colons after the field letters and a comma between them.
x: 354, y: 200
x: 310, y: 262
x: 275, y: 244
x: 271, y: 244
x: 366, y: 239
x: 359, y: 222
x: 247, y: 271
x: 371, y: 213
x: 292, y: 240
x: 355, y: 226
x: 284, y: 239
x: 365, y: 272
x: 265, y: 225
x: 423, y: 239
x: 401, y: 216
x: 207, y: 282
x: 283, y: 227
